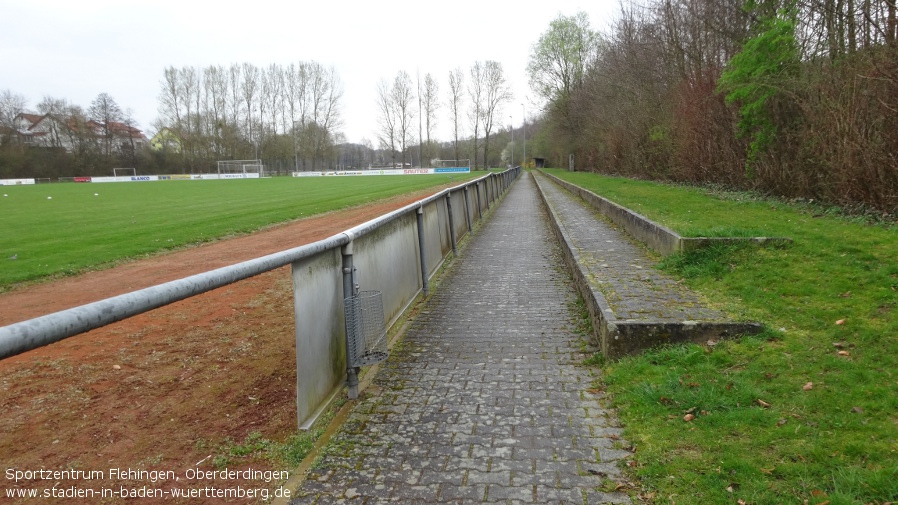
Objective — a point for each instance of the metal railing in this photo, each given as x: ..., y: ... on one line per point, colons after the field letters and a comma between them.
x: 396, y: 253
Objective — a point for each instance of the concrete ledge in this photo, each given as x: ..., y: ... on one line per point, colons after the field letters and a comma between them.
x: 600, y: 313
x: 617, y: 338
x: 657, y: 237
x: 632, y: 337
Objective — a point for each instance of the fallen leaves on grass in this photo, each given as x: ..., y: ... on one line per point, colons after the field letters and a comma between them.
x: 840, y: 322
x: 763, y: 404
x: 820, y: 494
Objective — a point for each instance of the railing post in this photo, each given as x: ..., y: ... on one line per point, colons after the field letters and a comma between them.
x: 451, y: 223
x: 352, y: 373
x: 479, y: 204
x: 425, y: 285
x: 468, y: 209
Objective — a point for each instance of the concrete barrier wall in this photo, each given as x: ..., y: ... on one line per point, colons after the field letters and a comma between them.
x: 318, y: 309
x: 387, y: 260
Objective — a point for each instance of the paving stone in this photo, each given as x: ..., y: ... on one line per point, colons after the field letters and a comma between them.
x: 467, y: 494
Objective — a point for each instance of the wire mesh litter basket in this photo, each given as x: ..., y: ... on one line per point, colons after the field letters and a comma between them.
x: 366, y: 332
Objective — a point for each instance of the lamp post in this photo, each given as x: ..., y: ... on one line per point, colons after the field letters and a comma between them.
x: 524, y: 132
x: 511, y: 122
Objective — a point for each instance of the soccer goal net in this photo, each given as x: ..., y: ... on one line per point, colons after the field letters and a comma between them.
x: 451, y: 163
x: 241, y: 167
x: 124, y: 172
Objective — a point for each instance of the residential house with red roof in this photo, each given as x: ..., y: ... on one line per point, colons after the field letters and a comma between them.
x: 73, y: 133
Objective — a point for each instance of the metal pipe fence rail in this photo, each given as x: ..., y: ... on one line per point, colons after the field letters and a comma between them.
x: 396, y: 253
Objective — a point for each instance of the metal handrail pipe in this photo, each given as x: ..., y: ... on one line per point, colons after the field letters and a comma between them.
x: 379, y: 221
x: 44, y: 330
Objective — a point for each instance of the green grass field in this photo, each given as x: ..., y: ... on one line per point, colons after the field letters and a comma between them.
x: 805, y: 413
x: 86, y: 226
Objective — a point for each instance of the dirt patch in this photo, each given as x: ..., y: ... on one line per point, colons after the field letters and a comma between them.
x: 167, y: 390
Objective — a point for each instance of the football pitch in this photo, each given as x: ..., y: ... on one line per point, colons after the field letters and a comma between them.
x: 49, y: 230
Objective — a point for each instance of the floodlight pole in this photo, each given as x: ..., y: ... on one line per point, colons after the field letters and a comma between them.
x: 524, y: 132
x: 511, y: 120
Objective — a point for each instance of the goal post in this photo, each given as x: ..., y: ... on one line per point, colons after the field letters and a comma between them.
x: 241, y: 167
x: 124, y: 172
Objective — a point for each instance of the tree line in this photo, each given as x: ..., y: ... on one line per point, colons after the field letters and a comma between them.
x: 474, y: 101
x: 793, y: 98
x: 248, y: 112
x: 290, y: 116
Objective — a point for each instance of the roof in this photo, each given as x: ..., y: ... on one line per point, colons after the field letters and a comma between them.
x: 118, y: 129
x: 31, y: 118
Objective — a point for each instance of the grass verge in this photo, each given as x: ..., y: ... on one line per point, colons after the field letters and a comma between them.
x: 806, y: 412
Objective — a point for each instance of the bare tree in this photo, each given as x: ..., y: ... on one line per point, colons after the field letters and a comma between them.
x: 265, y: 95
x: 430, y: 105
x: 189, y: 90
x: 130, y: 133
x: 235, y: 76
x: 326, y: 94
x: 387, y: 119
x: 215, y: 83
x: 56, y: 108
x: 298, y: 103
x: 105, y: 112
x: 403, y: 97
x: 11, y: 105
x: 249, y: 91
x: 496, y: 94
x: 170, y: 101
x: 475, y: 112
x: 456, y: 103
x: 275, y: 84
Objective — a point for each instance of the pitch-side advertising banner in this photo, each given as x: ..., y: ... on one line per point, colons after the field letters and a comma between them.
x: 392, y: 171
x: 174, y: 177
x: 15, y: 182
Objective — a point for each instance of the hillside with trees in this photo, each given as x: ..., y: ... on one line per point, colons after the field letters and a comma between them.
x: 795, y: 99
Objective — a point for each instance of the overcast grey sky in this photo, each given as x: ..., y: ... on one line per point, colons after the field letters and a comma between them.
x: 79, y: 49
